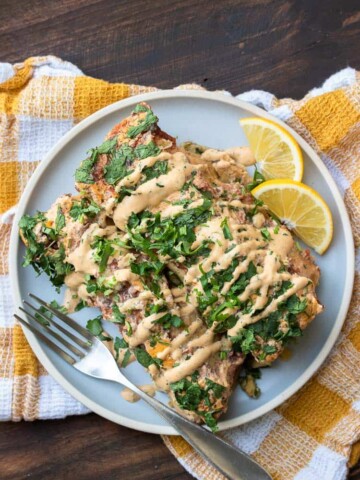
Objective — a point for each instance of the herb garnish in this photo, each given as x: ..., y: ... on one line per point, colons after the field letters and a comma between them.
x: 84, y: 173
x: 95, y: 327
x: 226, y: 230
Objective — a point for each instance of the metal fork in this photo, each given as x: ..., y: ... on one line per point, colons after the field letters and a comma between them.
x: 88, y: 355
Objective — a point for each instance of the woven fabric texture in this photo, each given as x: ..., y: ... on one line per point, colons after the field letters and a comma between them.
x: 310, y: 437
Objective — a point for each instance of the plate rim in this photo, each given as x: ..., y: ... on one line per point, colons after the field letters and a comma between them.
x: 204, y: 95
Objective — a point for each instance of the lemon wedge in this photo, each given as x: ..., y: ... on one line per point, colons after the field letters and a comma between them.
x: 276, y: 153
x: 301, y: 208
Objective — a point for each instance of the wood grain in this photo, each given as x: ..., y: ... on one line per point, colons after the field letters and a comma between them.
x: 286, y: 47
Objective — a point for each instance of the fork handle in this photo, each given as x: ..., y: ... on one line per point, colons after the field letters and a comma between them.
x: 233, y: 463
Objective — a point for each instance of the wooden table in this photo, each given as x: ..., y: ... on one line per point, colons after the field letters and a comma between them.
x: 286, y: 47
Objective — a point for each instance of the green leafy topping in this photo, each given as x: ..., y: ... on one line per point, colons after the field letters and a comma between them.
x: 295, y: 306
x: 254, y: 337
x: 118, y: 317
x: 102, y: 252
x: 191, y: 396
x: 82, y: 304
x: 147, y: 150
x: 95, y: 327
x: 266, y: 234
x: 149, y: 121
x: 59, y: 221
x: 226, y: 230
x: 140, y: 108
x: 212, y: 283
x: 257, y: 179
x: 38, y: 255
x: 150, y: 273
x: 145, y: 359
x: 159, y: 168
x: 117, y: 168
x: 105, y: 285
x: 84, y: 173
x: 171, y: 236
x: 168, y: 320
x: 84, y: 209
x: 119, y: 344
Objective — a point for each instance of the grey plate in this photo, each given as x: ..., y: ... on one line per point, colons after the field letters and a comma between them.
x: 211, y: 119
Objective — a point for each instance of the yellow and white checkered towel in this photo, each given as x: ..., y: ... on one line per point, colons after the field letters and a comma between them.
x: 311, y: 435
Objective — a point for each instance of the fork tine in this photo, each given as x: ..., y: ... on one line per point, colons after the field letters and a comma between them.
x: 81, y: 343
x: 65, y: 356
x: 60, y: 339
x: 69, y: 321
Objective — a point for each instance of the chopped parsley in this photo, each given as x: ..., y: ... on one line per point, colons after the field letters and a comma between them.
x: 84, y: 209
x: 145, y: 359
x: 158, y: 169
x: 117, y: 168
x: 84, y: 173
x: 254, y: 337
x: 191, y: 396
x: 95, y: 328
x: 266, y: 234
x: 146, y: 124
x: 103, y: 250
x: 226, y: 230
x: 121, y: 344
x: 118, y: 317
x: 171, y: 236
x: 38, y: 255
x: 257, y: 179
x: 168, y: 320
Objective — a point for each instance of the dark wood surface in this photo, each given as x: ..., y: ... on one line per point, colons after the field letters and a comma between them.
x: 286, y: 47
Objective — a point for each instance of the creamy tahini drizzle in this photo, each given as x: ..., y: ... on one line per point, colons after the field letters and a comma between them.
x: 239, y: 155
x: 82, y: 256
x: 151, y: 193
x: 247, y: 245
x: 133, y: 397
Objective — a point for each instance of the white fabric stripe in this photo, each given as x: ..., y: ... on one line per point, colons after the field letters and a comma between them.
x: 324, y: 465
x: 258, y: 97
x: 6, y: 303
x: 343, y: 78
x: 6, y: 385
x: 6, y: 71
x: 7, y: 217
x: 250, y: 436
x: 52, y: 66
x: 38, y: 135
x: 55, y: 402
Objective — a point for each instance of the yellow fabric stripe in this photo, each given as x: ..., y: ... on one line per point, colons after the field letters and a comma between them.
x: 180, y: 445
x: 328, y: 117
x: 356, y: 187
x: 92, y: 94
x: 354, y: 336
x: 25, y: 360
x: 9, y: 185
x: 316, y: 410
